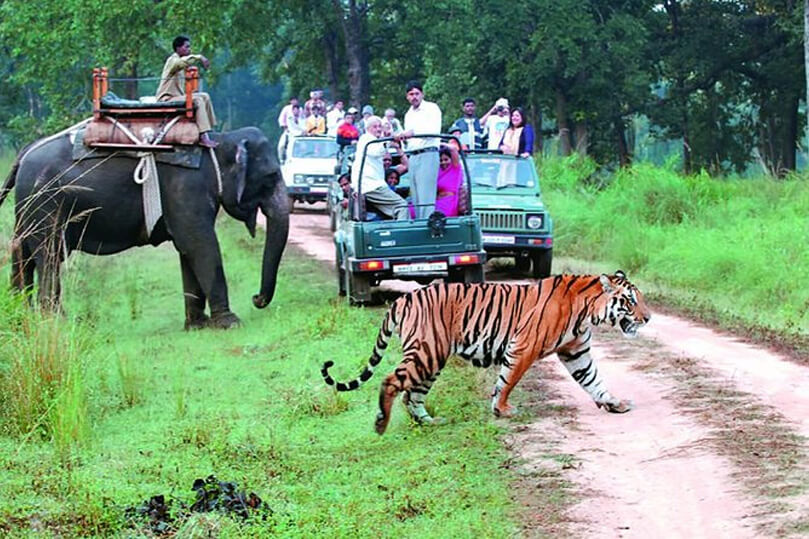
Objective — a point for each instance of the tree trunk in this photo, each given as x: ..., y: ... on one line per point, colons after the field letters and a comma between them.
x: 582, y: 138
x: 624, y: 156
x: 533, y: 118
x: 540, y: 138
x: 352, y: 22
x: 330, y: 42
x: 565, y: 146
x: 806, y: 58
x: 686, y: 145
x: 789, y: 134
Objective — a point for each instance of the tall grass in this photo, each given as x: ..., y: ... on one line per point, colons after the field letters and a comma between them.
x: 42, y: 361
x: 735, y: 247
x: 162, y: 407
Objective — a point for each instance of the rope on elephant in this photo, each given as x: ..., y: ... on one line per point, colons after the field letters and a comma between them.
x: 218, y: 173
x: 146, y: 171
x: 41, y: 142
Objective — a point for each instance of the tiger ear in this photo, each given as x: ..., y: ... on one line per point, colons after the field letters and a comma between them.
x: 605, y: 283
x: 620, y: 274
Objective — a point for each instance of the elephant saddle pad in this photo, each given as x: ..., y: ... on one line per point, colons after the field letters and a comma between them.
x: 183, y: 131
x: 184, y: 155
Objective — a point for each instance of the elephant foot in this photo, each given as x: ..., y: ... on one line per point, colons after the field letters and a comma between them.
x: 200, y: 322
x: 226, y: 320
x: 260, y: 301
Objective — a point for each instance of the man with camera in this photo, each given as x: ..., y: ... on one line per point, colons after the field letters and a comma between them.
x: 495, y: 122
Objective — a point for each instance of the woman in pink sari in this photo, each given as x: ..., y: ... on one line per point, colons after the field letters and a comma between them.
x: 450, y: 181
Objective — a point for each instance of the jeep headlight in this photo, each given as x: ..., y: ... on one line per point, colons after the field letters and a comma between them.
x: 299, y: 178
x: 534, y: 222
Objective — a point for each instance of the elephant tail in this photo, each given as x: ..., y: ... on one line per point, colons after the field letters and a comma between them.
x: 11, y: 179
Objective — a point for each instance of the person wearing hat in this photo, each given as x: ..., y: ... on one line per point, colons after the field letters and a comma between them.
x: 367, y: 112
x: 495, y: 122
x: 422, y: 118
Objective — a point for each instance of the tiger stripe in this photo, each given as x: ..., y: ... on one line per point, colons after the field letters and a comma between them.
x: 509, y: 325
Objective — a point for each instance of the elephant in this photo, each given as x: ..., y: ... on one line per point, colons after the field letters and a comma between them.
x: 94, y: 206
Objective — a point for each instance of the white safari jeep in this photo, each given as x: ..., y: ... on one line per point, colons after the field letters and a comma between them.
x: 307, y: 166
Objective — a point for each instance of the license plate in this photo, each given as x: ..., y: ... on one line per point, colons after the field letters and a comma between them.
x: 318, y: 189
x: 420, y: 267
x: 503, y: 240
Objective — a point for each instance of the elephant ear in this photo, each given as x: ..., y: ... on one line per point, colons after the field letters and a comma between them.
x: 241, y: 173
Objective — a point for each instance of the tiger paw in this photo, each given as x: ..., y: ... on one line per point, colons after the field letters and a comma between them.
x: 620, y: 407
x: 431, y: 421
x: 505, y: 411
x: 381, y: 423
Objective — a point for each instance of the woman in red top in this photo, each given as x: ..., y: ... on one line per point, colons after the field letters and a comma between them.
x: 347, y: 132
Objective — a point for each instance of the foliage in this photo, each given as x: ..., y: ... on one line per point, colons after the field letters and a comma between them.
x: 164, y: 407
x: 722, y: 246
x: 724, y: 78
x: 731, y: 78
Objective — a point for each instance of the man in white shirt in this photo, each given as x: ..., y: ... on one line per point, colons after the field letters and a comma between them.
x: 283, y: 122
x: 373, y: 185
x: 296, y: 125
x: 496, y: 124
x: 286, y: 111
x: 334, y: 117
x: 423, y: 118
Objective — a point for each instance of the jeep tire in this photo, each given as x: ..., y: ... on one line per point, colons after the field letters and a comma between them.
x: 522, y: 262
x: 358, y: 288
x: 541, y: 263
x: 466, y: 274
x: 341, y: 273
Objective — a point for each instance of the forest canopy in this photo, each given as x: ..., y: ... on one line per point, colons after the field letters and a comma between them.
x: 724, y: 79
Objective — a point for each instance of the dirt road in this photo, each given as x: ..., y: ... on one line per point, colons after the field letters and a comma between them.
x: 716, y: 446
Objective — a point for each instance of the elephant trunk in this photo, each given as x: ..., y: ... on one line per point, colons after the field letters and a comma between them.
x: 276, y: 213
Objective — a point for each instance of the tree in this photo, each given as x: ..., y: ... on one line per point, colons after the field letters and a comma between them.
x: 730, y: 83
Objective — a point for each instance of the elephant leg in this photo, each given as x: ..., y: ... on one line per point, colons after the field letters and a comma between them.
x: 195, y: 317
x: 48, y: 259
x: 204, y: 259
x: 22, y: 267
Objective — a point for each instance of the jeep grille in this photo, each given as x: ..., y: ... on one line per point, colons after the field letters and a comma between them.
x: 490, y: 220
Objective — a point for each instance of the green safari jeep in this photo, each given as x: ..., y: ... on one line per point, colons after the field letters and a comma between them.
x: 513, y: 219
x: 370, y: 249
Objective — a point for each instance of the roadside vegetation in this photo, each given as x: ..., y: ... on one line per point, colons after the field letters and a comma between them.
x: 729, y: 250
x: 113, y: 404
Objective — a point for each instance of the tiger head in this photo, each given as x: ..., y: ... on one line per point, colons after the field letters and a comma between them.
x: 626, y: 306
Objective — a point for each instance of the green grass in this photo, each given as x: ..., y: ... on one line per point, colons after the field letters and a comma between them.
x: 732, y: 250
x: 143, y: 408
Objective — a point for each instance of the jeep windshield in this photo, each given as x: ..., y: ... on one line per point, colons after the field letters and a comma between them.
x: 495, y: 172
x: 325, y: 148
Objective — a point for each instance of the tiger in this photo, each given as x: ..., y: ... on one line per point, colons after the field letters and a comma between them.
x: 510, y: 325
